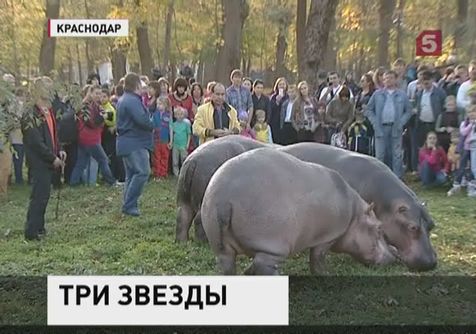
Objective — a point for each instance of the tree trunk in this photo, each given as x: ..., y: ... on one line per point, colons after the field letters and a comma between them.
x: 118, y: 61
x: 145, y: 53
x: 89, y: 61
x: 330, y: 60
x: 401, y: 7
x: 462, y: 14
x: 80, y: 67
x: 70, y: 66
x: 301, y: 35
x: 235, y: 14
x: 48, y: 44
x: 386, y: 8
x: 168, y: 32
x: 317, y: 35
x: 281, y: 46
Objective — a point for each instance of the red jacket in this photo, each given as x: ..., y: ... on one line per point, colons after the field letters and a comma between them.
x: 187, y: 104
x: 436, y: 158
x: 90, y: 124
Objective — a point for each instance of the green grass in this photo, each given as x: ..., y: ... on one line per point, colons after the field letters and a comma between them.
x: 91, y: 237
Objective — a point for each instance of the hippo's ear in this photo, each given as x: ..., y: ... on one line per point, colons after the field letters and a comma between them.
x: 370, y: 208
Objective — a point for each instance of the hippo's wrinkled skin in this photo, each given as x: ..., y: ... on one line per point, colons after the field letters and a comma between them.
x: 406, y: 221
x: 195, y: 174
x: 269, y: 205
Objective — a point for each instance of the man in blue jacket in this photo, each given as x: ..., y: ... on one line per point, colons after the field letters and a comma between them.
x: 388, y: 110
x: 134, y: 142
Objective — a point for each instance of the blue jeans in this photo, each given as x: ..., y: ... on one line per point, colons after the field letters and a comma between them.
x: 18, y: 162
x: 465, y: 157
x: 429, y: 177
x: 473, y: 163
x: 84, y: 155
x: 414, y: 148
x: 137, y: 173
x: 388, y: 149
x: 90, y: 174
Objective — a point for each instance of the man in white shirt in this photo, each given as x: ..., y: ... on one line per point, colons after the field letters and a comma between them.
x: 333, y: 90
x: 462, y: 99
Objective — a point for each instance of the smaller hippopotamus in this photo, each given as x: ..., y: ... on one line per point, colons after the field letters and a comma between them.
x: 269, y: 205
x: 195, y: 174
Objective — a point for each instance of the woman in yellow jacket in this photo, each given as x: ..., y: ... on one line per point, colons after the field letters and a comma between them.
x: 216, y: 118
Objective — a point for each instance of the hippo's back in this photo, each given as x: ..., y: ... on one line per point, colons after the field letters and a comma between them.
x: 200, y: 166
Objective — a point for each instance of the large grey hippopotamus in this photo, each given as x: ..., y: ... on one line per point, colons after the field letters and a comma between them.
x: 406, y: 221
x: 269, y: 205
x: 195, y: 174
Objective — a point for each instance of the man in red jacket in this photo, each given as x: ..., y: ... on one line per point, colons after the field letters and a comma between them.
x: 90, y: 126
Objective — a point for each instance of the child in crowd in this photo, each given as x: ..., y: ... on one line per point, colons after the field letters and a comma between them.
x: 358, y: 133
x: 467, y: 129
x: 162, y: 123
x: 321, y: 135
x: 261, y: 128
x: 180, y: 134
x: 432, y: 162
x: 453, y: 155
x: 447, y: 122
x: 245, y: 130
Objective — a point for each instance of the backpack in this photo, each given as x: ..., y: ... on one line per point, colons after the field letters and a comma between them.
x: 359, y: 139
x: 338, y: 139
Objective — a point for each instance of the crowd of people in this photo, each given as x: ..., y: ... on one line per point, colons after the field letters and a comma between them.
x: 421, y: 120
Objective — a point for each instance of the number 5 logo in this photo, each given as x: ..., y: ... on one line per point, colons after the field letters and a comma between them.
x: 429, y: 43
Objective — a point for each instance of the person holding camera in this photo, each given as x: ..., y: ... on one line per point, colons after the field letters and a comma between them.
x: 90, y: 127
x: 109, y: 135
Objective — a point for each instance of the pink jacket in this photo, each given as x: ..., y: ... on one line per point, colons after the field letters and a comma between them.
x: 436, y: 158
x: 464, y: 131
x: 248, y: 133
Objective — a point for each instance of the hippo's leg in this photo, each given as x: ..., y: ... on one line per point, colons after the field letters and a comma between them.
x: 316, y: 258
x: 184, y: 221
x: 264, y: 264
x: 227, y: 262
x: 199, y: 231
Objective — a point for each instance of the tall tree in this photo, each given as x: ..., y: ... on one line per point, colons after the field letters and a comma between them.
x: 301, y: 18
x: 399, y: 22
x: 168, y: 33
x: 282, y: 16
x: 235, y: 13
x: 48, y: 44
x: 118, y: 49
x: 462, y: 14
x: 385, y: 12
x: 143, y: 45
x: 317, y: 36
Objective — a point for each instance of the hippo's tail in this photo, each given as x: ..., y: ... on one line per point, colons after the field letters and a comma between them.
x: 184, y: 182
x: 224, y: 214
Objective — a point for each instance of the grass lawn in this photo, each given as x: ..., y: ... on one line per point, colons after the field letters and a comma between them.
x: 91, y: 237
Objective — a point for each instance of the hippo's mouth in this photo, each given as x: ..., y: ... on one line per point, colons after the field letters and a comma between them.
x: 392, y: 248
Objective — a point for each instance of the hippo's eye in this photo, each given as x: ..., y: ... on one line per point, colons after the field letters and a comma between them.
x: 413, y: 228
x: 402, y: 209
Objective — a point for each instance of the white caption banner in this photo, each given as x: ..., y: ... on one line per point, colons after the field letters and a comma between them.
x: 245, y: 300
x: 88, y: 28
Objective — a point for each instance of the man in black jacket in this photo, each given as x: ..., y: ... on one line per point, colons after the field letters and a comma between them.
x: 42, y: 153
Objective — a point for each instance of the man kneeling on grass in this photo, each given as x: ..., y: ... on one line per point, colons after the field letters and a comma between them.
x: 42, y: 153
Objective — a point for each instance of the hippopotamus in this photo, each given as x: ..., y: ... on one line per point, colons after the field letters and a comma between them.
x: 195, y: 174
x: 270, y: 205
x: 406, y: 221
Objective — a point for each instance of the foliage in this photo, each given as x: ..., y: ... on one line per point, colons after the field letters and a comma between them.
x: 196, y: 28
